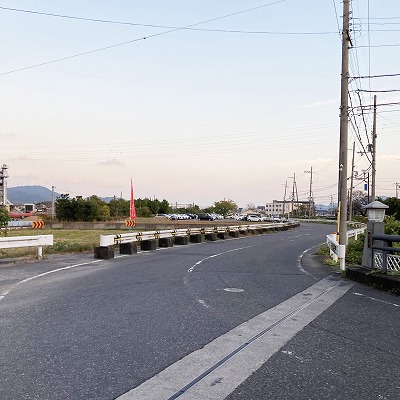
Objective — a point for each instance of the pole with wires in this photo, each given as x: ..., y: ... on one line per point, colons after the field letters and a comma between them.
x: 374, y: 153
x: 344, y: 127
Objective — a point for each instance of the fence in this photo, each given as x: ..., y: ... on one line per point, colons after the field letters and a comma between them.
x: 166, y: 238
x: 383, y: 256
x: 338, y: 251
x: 27, y: 241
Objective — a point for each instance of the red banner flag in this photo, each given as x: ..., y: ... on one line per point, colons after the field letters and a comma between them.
x: 132, y: 210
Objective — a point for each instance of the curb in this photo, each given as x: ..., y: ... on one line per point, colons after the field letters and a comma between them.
x: 379, y: 280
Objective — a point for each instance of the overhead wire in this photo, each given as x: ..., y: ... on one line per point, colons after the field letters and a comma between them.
x: 169, y: 30
x: 104, y: 21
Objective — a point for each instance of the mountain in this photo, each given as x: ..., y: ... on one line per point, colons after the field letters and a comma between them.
x: 29, y: 194
x: 20, y: 195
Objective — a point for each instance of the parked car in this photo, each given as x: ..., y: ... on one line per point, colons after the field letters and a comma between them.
x: 206, y: 217
x: 254, y: 218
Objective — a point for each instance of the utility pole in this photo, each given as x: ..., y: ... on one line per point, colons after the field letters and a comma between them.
x: 374, y: 153
x: 284, y: 200
x: 297, y: 195
x: 53, y: 208
x: 344, y: 127
x: 351, y: 184
x: 397, y: 187
x: 310, y: 197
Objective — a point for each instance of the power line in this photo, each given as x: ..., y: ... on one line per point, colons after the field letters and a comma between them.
x: 378, y: 91
x: 379, y: 45
x: 166, y: 26
x: 373, y: 76
x: 170, y: 30
x: 375, y: 18
x: 378, y: 105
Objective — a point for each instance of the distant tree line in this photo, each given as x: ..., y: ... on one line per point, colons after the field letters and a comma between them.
x: 95, y: 209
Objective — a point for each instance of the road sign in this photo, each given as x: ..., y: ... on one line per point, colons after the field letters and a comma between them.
x: 37, y: 224
x: 130, y: 222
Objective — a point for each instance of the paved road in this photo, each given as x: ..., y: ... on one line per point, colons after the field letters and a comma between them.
x: 249, y: 318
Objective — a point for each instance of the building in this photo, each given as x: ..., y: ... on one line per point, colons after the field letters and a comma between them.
x: 283, y: 208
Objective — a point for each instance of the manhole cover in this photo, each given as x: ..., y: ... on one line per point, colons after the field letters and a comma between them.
x: 232, y: 289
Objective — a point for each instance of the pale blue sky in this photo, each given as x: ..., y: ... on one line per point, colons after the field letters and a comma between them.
x: 192, y: 116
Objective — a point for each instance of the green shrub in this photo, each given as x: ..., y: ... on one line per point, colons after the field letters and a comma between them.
x: 354, y: 250
x: 392, y: 226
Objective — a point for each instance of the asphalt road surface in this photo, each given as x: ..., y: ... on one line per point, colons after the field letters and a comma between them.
x: 257, y: 317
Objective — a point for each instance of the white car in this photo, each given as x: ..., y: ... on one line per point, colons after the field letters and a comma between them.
x: 254, y: 218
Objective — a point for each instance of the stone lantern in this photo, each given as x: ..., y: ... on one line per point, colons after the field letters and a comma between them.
x: 375, y: 226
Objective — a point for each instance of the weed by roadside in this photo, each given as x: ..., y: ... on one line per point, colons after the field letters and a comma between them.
x: 354, y: 251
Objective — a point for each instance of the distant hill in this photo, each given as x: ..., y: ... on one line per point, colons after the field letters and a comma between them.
x: 29, y: 194
x: 20, y: 195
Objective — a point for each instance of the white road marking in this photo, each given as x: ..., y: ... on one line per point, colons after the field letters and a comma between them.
x: 215, y: 255
x: 233, y: 290
x: 4, y: 294
x: 191, y: 269
x: 374, y: 299
x: 299, y: 266
x: 231, y: 358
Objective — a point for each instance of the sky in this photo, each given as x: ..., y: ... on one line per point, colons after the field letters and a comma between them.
x: 195, y: 101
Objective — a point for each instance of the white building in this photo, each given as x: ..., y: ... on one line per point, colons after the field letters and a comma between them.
x: 283, y: 207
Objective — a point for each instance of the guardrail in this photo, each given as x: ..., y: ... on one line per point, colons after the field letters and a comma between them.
x: 383, y: 256
x: 166, y: 238
x: 27, y: 241
x: 338, y: 251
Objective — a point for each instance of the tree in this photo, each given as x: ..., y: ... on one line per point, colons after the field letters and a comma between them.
x: 4, y: 217
x: 144, y: 212
x: 360, y: 199
x: 225, y: 207
x: 164, y: 207
x: 79, y: 209
x: 119, y: 208
x: 251, y: 206
x: 64, y: 208
x: 394, y: 207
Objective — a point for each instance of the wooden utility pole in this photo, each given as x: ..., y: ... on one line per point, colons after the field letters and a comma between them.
x: 344, y: 130
x: 53, y: 208
x: 344, y: 127
x: 351, y: 184
x: 374, y: 153
x: 284, y: 200
x: 310, y: 197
